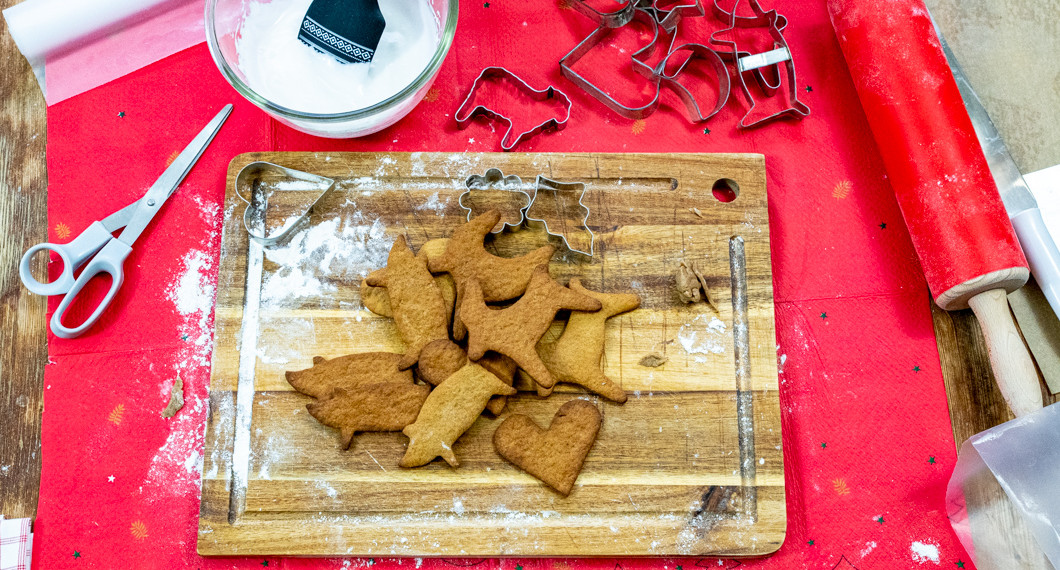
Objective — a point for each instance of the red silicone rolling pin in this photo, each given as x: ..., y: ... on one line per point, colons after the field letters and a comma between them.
x: 936, y: 167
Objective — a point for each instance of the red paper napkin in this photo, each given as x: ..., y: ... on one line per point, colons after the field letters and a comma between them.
x: 867, y: 440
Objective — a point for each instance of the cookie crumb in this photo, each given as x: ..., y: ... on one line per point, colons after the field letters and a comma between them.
x: 703, y: 284
x: 686, y: 284
x: 176, y: 399
x: 653, y: 360
x: 691, y: 285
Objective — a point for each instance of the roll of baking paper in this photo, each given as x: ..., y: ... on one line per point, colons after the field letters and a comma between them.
x: 75, y: 45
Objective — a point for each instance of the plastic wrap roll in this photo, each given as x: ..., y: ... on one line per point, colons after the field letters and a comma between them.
x: 86, y: 43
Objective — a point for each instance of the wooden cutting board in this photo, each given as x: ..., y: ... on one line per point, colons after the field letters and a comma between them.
x: 690, y: 465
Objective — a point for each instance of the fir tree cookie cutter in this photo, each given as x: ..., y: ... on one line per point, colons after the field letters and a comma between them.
x: 556, y: 187
x: 254, y: 214
x: 494, y: 179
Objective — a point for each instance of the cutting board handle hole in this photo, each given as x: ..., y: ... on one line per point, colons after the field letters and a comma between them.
x: 725, y: 189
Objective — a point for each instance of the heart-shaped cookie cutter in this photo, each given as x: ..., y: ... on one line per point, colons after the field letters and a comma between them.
x: 595, y: 38
x: 494, y: 179
x: 658, y: 75
x: 245, y: 179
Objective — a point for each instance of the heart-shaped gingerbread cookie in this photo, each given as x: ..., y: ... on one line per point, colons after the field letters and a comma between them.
x: 555, y: 455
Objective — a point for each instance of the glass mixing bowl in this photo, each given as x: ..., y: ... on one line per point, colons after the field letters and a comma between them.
x: 223, y: 21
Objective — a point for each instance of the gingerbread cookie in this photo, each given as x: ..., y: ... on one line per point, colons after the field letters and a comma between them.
x: 576, y: 355
x: 377, y: 300
x: 514, y: 331
x: 348, y: 372
x: 415, y: 300
x: 433, y: 248
x: 466, y: 258
x: 440, y: 360
x: 370, y: 407
x: 503, y: 368
x: 448, y: 412
x: 554, y: 455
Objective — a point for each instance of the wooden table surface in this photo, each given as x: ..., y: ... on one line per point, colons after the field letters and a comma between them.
x: 1002, y: 47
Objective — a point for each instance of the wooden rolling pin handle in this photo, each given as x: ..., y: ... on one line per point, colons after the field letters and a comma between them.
x: 1013, y: 369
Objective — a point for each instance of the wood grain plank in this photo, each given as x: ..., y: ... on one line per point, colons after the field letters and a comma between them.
x: 673, y: 468
x: 23, y: 342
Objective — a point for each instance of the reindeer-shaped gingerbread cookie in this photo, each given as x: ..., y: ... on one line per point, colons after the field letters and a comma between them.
x: 515, y: 330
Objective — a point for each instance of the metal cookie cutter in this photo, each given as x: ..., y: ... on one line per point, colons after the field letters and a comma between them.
x: 597, y: 37
x: 494, y: 179
x: 615, y: 19
x: 548, y: 185
x: 464, y: 115
x: 245, y: 181
x: 697, y: 52
x: 658, y: 74
x: 780, y: 55
x: 669, y: 16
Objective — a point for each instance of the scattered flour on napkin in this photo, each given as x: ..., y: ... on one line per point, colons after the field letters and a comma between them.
x: 177, y: 465
x: 924, y: 552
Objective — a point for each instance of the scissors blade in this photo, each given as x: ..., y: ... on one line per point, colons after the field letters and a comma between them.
x: 163, y: 188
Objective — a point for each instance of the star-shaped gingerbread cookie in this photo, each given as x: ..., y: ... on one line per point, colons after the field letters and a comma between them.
x: 576, y: 355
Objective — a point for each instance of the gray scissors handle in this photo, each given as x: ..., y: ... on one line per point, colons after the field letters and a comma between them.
x: 73, y: 254
x: 109, y: 260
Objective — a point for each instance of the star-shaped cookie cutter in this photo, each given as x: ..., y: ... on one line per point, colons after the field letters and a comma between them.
x: 464, y: 116
x: 544, y: 184
x: 494, y: 179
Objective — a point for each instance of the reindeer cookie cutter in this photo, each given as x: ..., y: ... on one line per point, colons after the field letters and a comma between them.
x: 464, y: 114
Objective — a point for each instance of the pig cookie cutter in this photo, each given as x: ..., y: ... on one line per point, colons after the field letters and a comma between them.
x: 494, y: 179
x: 464, y: 116
x: 745, y: 61
x: 544, y: 184
x: 657, y: 75
x: 245, y: 180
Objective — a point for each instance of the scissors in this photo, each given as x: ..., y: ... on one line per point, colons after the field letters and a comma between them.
x: 99, y: 251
